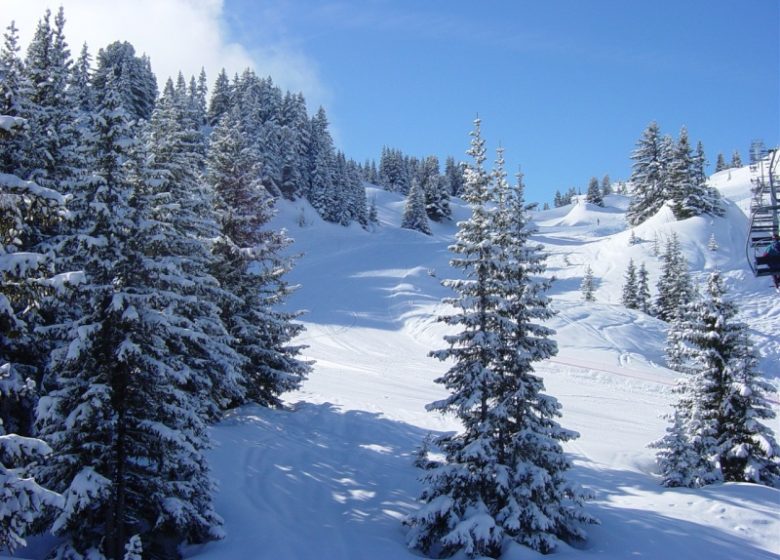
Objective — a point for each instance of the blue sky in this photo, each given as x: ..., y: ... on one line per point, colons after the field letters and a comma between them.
x: 567, y: 87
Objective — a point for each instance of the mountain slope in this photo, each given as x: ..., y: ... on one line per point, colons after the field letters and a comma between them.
x: 332, y: 476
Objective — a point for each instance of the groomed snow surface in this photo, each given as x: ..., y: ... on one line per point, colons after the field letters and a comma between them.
x: 332, y: 477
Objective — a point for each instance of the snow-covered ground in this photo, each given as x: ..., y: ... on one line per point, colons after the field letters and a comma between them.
x: 332, y: 477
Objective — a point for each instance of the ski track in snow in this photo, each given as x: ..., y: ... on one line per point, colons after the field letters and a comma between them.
x: 331, y: 476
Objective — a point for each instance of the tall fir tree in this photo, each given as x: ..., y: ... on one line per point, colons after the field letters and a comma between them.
x: 415, y: 216
x: 250, y: 264
x: 675, y: 289
x: 437, y: 196
x: 629, y: 297
x: 133, y: 462
x: 643, y: 298
x: 647, y: 176
x: 138, y: 83
x: 594, y: 194
x: 736, y: 160
x: 503, y: 476
x: 720, y: 163
x: 587, y: 285
x: 606, y: 186
x: 718, y: 420
x: 26, y: 211
x: 186, y: 204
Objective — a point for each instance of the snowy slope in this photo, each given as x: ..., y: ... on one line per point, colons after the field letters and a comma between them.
x: 332, y: 476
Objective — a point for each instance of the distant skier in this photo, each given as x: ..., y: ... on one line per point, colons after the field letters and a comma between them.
x: 774, y: 251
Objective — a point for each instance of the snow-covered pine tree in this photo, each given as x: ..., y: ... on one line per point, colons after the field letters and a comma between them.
x: 680, y: 182
x: 453, y: 173
x: 29, y: 214
x: 629, y: 297
x: 81, y: 84
x: 677, y: 461
x: 594, y: 195
x: 250, y: 264
x: 415, y: 216
x: 503, y: 476
x: 643, y: 299
x: 133, y: 461
x: 22, y: 501
x: 711, y: 200
x: 736, y: 160
x: 323, y: 190
x: 185, y: 204
x: 749, y: 450
x: 51, y: 156
x: 674, y: 286
x: 712, y: 244
x: 647, y: 176
x: 26, y: 211
x: 221, y: 98
x: 587, y: 285
x: 720, y: 163
x: 138, y: 82
x: 436, y: 191
x: 355, y: 196
x: 687, y: 180
x: 719, y: 414
x: 606, y: 186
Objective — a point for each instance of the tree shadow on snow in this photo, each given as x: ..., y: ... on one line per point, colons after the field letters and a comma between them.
x: 319, y: 482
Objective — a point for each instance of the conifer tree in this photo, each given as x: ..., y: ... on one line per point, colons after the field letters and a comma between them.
x: 186, y: 204
x: 221, y: 98
x: 586, y: 287
x: 415, y: 216
x: 629, y: 297
x: 51, y: 155
x: 606, y: 186
x: 26, y: 211
x: 437, y: 196
x: 718, y: 418
x: 503, y: 477
x: 250, y: 264
x: 712, y: 244
x: 720, y: 163
x: 134, y: 461
x: 453, y: 173
x: 647, y: 176
x: 138, y: 83
x: 674, y: 286
x: 736, y: 160
x: 594, y: 195
x: 643, y: 301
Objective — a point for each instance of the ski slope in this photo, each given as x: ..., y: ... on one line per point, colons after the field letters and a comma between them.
x: 332, y: 476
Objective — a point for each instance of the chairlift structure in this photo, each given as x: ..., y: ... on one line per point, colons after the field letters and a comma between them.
x: 764, y: 215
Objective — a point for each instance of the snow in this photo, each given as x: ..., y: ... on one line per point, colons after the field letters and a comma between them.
x: 332, y: 476
x: 8, y: 123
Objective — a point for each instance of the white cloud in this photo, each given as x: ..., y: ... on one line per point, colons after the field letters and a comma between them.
x: 177, y: 34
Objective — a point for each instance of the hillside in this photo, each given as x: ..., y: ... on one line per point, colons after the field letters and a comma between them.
x: 332, y: 476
